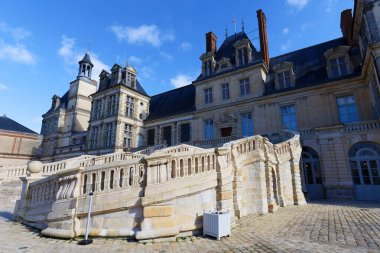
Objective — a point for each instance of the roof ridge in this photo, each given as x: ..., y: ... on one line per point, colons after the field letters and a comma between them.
x: 305, y: 48
x: 168, y: 91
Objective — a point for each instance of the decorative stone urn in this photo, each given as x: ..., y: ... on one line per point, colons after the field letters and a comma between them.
x: 35, y: 167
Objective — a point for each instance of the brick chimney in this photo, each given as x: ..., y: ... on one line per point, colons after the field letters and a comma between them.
x: 346, y: 25
x: 262, y: 21
x: 210, y: 42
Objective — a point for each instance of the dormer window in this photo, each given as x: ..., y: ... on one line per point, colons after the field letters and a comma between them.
x: 243, y: 52
x: 338, y: 62
x: 284, y: 80
x: 339, y: 67
x: 284, y: 75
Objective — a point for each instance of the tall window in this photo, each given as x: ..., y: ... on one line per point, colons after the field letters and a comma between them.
x: 127, y: 136
x: 347, y: 109
x: 284, y: 80
x: 209, y: 129
x: 289, y: 117
x: 94, y: 139
x: 225, y: 91
x: 339, y: 66
x: 247, y: 124
x: 151, y: 137
x: 208, y: 96
x: 243, y: 56
x: 244, y: 87
x: 130, y: 106
x: 99, y: 109
x: 109, y: 140
x: 185, y: 133
x: 131, y: 79
x: 112, y: 105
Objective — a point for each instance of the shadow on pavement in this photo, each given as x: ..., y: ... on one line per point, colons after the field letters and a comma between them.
x: 7, y: 215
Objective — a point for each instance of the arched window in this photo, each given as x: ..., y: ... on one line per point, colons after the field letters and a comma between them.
x: 311, y: 166
x: 203, y: 163
x: 364, y: 163
x: 103, y: 175
x: 189, y: 166
x: 173, y: 174
x: 182, y: 172
x: 196, y: 165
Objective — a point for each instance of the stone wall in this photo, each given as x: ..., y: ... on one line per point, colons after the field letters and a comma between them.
x: 163, y: 194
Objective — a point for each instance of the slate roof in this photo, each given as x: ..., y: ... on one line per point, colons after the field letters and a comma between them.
x: 11, y: 125
x: 62, y: 105
x: 309, y: 65
x: 106, y: 84
x: 87, y: 59
x: 173, y: 102
x: 228, y: 50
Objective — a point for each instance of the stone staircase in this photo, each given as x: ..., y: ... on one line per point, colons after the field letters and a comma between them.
x: 10, y: 192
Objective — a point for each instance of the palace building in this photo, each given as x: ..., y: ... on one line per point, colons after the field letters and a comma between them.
x: 329, y: 93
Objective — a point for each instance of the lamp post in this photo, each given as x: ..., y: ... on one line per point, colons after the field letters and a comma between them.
x: 86, y: 240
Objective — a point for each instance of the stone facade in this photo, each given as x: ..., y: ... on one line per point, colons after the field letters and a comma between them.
x: 163, y: 194
x: 329, y: 92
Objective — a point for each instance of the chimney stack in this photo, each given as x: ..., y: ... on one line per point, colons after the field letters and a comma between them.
x: 210, y: 42
x: 346, y: 25
x: 263, y: 36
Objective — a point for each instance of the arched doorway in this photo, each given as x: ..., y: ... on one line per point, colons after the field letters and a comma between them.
x: 312, y: 173
x: 364, y: 164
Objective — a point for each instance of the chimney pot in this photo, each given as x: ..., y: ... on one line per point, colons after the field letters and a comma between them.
x: 263, y: 36
x: 210, y: 42
x: 346, y: 25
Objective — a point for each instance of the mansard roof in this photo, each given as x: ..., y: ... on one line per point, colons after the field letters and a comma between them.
x: 11, y: 125
x: 309, y: 65
x: 173, y: 102
x: 227, y: 48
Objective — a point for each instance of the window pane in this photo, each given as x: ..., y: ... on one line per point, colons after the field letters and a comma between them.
x: 355, y: 173
x: 289, y: 118
x: 347, y: 109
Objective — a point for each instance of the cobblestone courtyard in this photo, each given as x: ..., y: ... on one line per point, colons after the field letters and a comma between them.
x: 318, y: 227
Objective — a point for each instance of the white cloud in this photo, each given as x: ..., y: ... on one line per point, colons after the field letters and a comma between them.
x: 72, y: 56
x: 285, y: 31
x: 166, y: 56
x: 297, y: 3
x: 185, y: 46
x: 330, y: 4
x: 18, y: 33
x: 17, y: 53
x: 134, y: 60
x: 3, y: 87
x: 306, y: 26
x: 286, y: 46
x: 181, y: 80
x: 146, y: 72
x: 149, y: 34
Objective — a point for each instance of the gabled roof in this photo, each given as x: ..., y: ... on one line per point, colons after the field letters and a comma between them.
x: 173, y: 102
x: 11, y: 125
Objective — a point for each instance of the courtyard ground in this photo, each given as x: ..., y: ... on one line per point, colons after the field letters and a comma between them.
x: 325, y: 226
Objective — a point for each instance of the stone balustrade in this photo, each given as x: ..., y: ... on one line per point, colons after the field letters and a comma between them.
x: 362, y: 126
x: 162, y: 194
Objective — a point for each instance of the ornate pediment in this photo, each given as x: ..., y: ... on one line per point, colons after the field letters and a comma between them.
x: 224, y: 118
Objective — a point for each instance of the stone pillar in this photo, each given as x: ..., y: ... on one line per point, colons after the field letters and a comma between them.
x: 224, y: 190
x: 299, y: 198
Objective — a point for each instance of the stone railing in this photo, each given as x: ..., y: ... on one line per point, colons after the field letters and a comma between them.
x: 150, y: 150
x: 15, y: 172
x: 212, y: 143
x: 99, y: 179
x: 161, y: 194
x: 362, y: 126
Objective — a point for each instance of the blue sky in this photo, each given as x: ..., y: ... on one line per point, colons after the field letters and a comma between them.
x: 41, y: 41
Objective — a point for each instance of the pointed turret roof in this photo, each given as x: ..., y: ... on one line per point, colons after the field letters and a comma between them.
x: 87, y: 59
